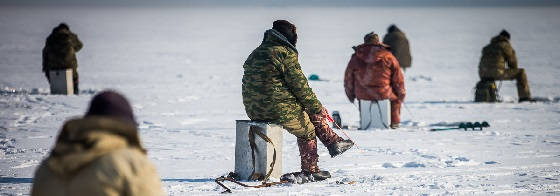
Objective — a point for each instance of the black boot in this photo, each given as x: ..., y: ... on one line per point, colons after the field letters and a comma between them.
x: 339, y: 147
x: 321, y: 175
x: 305, y: 176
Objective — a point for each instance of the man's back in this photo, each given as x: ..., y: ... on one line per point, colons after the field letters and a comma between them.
x: 494, y: 57
x: 399, y: 47
x: 274, y: 87
x: 59, y: 51
x: 373, y: 73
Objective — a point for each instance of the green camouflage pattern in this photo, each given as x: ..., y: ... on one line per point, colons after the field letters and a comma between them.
x: 495, y: 56
x: 274, y: 87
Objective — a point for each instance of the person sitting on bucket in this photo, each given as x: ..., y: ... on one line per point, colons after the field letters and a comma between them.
x: 275, y: 90
x: 373, y: 73
x: 60, y: 52
x: 493, y: 61
x: 99, y: 154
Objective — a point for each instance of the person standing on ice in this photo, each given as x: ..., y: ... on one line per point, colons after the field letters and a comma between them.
x: 373, y: 73
x: 275, y: 90
x: 493, y: 61
x: 99, y: 154
x: 400, y: 48
x: 60, y: 52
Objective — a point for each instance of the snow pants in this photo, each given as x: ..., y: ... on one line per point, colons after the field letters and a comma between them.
x: 520, y: 77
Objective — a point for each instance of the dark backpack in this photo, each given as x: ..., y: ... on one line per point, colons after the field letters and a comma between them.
x: 485, y: 91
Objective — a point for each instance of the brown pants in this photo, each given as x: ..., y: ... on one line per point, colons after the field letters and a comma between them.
x: 395, y: 111
x: 521, y: 81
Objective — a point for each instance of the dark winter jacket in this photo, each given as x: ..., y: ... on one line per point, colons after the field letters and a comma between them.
x: 373, y: 73
x: 399, y: 47
x: 60, y: 50
x: 274, y: 88
x: 495, y: 56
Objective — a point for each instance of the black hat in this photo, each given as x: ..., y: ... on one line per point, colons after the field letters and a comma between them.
x: 392, y: 28
x: 113, y: 104
x: 505, y: 34
x: 287, y: 29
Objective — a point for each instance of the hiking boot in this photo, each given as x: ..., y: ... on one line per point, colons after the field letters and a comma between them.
x: 394, y: 126
x: 321, y: 175
x: 322, y: 129
x: 339, y: 147
x: 304, y: 177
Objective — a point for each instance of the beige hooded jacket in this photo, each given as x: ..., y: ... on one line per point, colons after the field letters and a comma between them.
x: 97, y: 156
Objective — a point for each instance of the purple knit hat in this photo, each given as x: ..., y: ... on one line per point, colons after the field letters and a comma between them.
x: 113, y: 104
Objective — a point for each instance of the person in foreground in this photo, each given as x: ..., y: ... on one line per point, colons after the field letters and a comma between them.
x: 373, y: 73
x: 99, y: 154
x: 493, y: 61
x: 275, y: 90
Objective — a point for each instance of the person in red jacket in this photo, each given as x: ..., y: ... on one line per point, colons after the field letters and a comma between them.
x: 373, y: 73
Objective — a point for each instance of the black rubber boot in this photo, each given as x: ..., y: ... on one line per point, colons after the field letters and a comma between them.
x: 305, y: 177
x: 339, y: 147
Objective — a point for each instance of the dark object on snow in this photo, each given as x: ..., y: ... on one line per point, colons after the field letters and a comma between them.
x: 60, y: 52
x: 466, y: 126
x: 304, y: 177
x: 314, y: 77
x: 486, y: 91
x: 337, y: 120
x: 398, y: 42
x: 339, y: 147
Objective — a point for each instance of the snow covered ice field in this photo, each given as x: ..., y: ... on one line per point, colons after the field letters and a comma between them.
x: 181, y: 68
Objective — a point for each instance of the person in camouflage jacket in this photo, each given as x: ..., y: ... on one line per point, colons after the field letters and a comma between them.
x: 60, y: 52
x: 275, y: 90
x: 493, y: 62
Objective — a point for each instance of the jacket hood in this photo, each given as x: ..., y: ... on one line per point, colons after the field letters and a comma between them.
x: 370, y: 52
x: 82, y: 141
x: 499, y: 38
x: 275, y: 37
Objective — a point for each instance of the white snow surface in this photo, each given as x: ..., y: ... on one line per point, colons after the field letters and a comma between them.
x: 181, y: 69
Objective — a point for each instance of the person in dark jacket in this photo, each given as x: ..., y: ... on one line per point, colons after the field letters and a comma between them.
x: 60, y: 52
x: 495, y: 56
x: 400, y: 48
x: 275, y: 90
x: 98, y: 154
x: 373, y: 73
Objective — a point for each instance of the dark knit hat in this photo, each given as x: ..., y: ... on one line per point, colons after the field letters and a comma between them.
x: 505, y: 34
x: 287, y: 29
x: 113, y: 104
x: 392, y: 28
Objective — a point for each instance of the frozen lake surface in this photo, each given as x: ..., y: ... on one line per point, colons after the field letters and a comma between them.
x: 181, y: 68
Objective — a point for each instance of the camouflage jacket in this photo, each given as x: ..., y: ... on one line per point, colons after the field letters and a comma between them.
x: 495, y: 56
x: 399, y: 47
x: 274, y: 88
x: 60, y: 50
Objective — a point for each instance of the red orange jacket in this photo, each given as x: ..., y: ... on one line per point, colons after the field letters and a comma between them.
x: 373, y: 73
